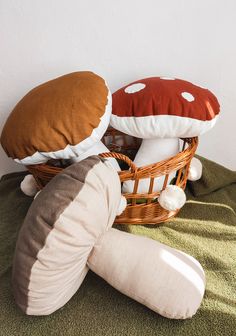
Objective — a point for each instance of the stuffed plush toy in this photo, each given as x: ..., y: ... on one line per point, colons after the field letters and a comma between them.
x: 67, y: 231
x: 160, y: 110
x: 64, y: 118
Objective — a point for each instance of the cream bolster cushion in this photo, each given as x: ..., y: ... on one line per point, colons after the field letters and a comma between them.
x: 60, y: 229
x: 166, y: 280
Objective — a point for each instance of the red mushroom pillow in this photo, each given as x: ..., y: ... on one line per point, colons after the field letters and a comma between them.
x: 161, y: 107
x: 160, y: 110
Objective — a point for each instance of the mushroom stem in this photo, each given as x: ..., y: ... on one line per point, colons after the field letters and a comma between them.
x: 96, y: 149
x: 172, y: 198
x: 155, y: 275
x: 152, y: 151
x: 29, y: 186
x: 195, y: 170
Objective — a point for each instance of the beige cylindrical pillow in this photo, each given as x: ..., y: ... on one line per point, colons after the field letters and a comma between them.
x: 166, y: 280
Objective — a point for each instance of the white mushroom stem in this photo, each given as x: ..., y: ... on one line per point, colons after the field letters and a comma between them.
x: 29, y: 185
x: 153, y: 151
x: 195, y: 170
x: 167, y: 281
x: 96, y: 149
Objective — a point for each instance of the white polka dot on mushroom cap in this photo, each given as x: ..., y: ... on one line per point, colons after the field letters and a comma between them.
x: 134, y: 88
x: 188, y: 96
x: 167, y: 78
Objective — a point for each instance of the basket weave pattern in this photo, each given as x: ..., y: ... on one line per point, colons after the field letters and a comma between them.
x: 123, y: 148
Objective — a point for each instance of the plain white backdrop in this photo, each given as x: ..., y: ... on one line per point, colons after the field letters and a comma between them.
x: 123, y: 41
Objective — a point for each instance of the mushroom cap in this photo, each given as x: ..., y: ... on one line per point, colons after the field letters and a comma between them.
x: 59, y: 119
x: 59, y: 232
x: 163, y: 107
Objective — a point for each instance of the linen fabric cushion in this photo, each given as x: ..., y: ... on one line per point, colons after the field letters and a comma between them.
x: 168, y: 281
x: 60, y: 229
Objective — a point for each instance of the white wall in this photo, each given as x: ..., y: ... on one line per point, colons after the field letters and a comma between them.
x: 123, y: 41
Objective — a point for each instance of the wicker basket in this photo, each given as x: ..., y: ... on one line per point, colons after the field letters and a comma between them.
x: 141, y: 208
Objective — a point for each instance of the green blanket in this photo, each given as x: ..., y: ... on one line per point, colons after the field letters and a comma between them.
x: 204, y: 228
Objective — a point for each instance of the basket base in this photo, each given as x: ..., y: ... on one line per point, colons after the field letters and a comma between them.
x: 145, y: 214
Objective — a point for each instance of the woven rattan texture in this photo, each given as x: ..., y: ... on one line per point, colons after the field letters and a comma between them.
x: 142, y: 208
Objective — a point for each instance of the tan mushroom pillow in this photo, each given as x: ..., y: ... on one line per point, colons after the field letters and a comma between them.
x: 68, y: 230
x: 60, y: 119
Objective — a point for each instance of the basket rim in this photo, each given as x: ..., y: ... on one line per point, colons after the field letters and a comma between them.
x: 158, y: 168
x: 151, y: 170
x: 137, y: 213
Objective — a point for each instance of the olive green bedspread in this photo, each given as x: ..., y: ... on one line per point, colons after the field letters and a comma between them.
x: 204, y: 228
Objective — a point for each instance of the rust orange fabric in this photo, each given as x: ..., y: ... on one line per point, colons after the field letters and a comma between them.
x: 162, y: 96
x: 57, y: 113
